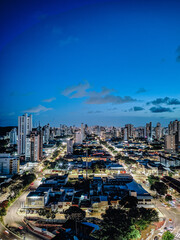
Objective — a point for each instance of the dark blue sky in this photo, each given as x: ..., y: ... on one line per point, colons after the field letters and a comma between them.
x: 98, y: 62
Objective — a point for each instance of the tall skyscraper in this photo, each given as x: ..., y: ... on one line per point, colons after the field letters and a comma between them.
x: 24, y: 128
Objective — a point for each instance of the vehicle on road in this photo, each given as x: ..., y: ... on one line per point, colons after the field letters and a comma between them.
x: 6, y: 231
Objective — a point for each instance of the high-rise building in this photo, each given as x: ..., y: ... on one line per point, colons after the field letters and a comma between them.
x: 172, y: 140
x: 158, y: 131
x: 32, y: 146
x: 40, y: 133
x: 70, y: 144
x: 24, y: 128
x: 78, y: 137
x: 129, y: 130
x: 82, y: 131
x: 125, y: 134
x: 8, y: 164
x: 13, y: 136
x: 171, y: 143
x: 46, y: 133
x: 149, y: 131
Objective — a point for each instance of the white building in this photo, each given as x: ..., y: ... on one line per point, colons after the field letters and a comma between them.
x: 13, y: 136
x: 70, y: 144
x: 78, y: 138
x: 46, y: 134
x: 8, y: 164
x: 24, y: 128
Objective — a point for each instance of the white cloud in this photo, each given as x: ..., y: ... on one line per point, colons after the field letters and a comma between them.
x: 49, y: 99
x: 37, y: 109
x: 77, y: 91
x: 93, y: 97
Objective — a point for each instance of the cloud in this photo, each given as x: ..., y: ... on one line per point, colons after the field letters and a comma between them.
x: 68, y: 40
x: 37, y: 109
x: 18, y: 94
x: 136, y: 109
x: 49, y: 99
x: 77, y: 91
x: 93, y: 97
x: 109, y: 99
x: 160, y: 109
x: 178, y: 54
x: 90, y: 112
x: 166, y: 100
x: 141, y: 90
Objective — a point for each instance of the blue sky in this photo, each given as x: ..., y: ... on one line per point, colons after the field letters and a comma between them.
x: 97, y: 62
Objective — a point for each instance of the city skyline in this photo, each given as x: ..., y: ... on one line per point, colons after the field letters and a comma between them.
x: 98, y: 62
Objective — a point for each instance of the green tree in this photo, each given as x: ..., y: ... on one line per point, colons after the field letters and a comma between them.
x: 152, y: 179
x: 168, y: 197
x: 129, y: 202
x: 160, y: 188
x: 167, y: 236
x: 2, y: 212
x: 74, y: 213
x: 117, y: 225
x: 142, y: 217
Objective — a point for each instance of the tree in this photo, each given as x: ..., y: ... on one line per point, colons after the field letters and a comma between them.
x: 160, y: 188
x: 142, y: 217
x: 152, y: 179
x: 117, y: 225
x: 168, y: 197
x: 74, y: 213
x: 167, y: 236
x: 129, y: 202
x: 2, y: 212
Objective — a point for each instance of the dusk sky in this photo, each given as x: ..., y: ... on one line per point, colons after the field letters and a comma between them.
x: 96, y: 62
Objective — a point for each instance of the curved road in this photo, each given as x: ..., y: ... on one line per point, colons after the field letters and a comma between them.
x: 13, y: 219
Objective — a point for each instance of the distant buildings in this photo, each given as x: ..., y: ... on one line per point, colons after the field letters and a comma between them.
x: 13, y: 136
x: 169, y: 161
x: 129, y: 128
x: 8, y: 165
x: 149, y: 131
x: 46, y: 133
x: 158, y: 131
x: 24, y: 128
x: 172, y: 140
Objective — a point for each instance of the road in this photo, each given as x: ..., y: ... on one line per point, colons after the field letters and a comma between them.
x: 13, y: 219
x: 167, y: 212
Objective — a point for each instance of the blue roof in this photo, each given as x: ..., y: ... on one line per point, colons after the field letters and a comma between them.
x: 137, y: 187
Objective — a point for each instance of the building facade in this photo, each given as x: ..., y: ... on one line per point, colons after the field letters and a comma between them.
x: 24, y: 128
